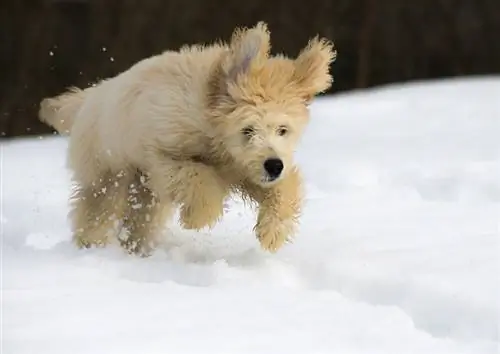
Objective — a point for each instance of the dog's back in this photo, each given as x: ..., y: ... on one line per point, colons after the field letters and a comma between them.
x: 159, y: 100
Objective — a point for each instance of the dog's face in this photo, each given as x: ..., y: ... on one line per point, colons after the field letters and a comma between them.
x: 259, y: 103
x: 261, y: 139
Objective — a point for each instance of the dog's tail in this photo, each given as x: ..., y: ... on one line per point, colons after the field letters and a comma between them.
x: 59, y: 112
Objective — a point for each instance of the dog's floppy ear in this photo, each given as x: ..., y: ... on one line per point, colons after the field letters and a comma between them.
x: 312, y: 67
x: 249, y: 48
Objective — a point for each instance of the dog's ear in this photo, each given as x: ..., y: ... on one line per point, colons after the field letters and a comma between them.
x: 312, y: 67
x: 249, y: 48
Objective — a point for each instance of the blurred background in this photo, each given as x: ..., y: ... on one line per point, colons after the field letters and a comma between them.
x: 48, y: 45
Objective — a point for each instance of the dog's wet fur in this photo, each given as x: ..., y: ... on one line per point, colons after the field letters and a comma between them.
x: 185, y: 129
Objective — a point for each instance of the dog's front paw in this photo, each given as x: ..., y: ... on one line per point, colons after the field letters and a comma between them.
x: 201, y: 198
x: 274, y: 233
x: 200, y: 214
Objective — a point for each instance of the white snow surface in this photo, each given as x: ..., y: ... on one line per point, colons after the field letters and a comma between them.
x: 398, y: 249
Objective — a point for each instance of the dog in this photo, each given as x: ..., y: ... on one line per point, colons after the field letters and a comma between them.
x: 185, y: 129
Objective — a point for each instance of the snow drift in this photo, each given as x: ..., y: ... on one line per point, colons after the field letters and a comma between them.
x: 398, y: 250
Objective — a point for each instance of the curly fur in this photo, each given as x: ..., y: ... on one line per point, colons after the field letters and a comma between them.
x: 185, y: 129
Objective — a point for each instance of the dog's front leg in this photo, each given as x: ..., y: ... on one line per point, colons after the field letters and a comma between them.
x: 196, y: 187
x: 279, y: 210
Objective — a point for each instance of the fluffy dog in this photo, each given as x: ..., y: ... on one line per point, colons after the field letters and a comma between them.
x: 185, y: 129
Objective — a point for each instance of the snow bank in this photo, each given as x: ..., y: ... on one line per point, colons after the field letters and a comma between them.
x: 398, y: 250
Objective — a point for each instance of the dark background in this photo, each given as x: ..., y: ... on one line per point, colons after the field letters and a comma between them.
x: 48, y: 45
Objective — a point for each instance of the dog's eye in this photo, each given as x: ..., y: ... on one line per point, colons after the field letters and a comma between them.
x: 248, y: 131
x: 282, y: 131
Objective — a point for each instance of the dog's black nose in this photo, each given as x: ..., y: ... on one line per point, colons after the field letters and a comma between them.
x: 273, y: 167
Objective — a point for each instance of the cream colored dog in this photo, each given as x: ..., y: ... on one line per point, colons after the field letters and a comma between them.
x: 185, y: 129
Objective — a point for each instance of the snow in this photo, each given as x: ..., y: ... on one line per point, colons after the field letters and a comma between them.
x: 398, y: 250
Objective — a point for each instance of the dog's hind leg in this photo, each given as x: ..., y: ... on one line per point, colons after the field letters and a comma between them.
x: 145, y: 216
x: 97, y: 210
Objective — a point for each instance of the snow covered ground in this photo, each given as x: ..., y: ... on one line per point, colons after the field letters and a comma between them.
x: 398, y: 251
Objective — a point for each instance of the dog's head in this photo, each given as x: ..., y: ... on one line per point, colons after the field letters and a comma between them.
x: 259, y: 104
